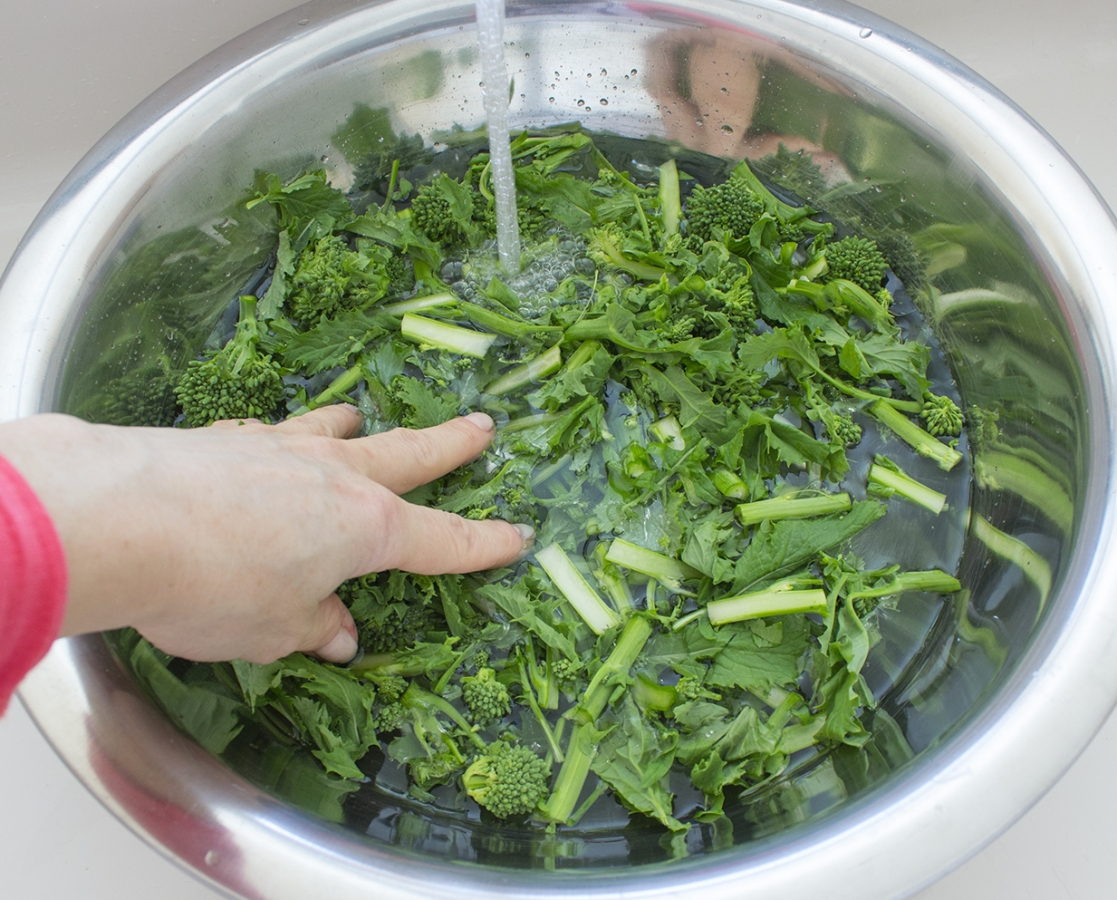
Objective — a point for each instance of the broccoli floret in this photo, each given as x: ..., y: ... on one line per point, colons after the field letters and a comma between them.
x: 858, y: 260
x: 434, y: 216
x: 942, y: 416
x: 389, y: 717
x: 731, y: 206
x: 507, y: 780
x: 144, y: 397
x: 320, y: 280
x: 237, y: 382
x: 330, y: 277
x: 486, y: 698
x: 567, y: 671
x: 385, y: 627
x: 401, y: 274
x: 690, y: 688
x: 844, y: 430
x: 389, y: 688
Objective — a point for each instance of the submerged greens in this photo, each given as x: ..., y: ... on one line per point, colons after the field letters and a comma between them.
x: 689, y: 383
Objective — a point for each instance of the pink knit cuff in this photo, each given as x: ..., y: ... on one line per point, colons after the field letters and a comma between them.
x: 32, y: 581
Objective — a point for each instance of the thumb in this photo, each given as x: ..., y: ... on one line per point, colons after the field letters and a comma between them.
x: 333, y: 633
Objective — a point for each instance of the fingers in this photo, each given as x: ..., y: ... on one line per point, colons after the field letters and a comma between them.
x: 403, y: 459
x: 431, y: 542
x: 338, y: 421
x: 333, y: 634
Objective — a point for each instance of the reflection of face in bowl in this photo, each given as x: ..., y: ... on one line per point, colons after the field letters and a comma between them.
x: 709, y: 87
x: 155, y: 242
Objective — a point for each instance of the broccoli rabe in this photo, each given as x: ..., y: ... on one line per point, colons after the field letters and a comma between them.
x: 237, y: 382
x: 677, y: 384
x: 858, y: 260
x: 722, y: 211
x: 507, y: 780
x: 486, y: 698
x: 942, y: 416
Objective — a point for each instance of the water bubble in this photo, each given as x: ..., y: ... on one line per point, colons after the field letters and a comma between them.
x: 604, y: 102
x: 865, y: 32
x: 726, y: 129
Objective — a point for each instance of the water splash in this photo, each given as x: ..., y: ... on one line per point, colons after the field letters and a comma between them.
x: 494, y: 74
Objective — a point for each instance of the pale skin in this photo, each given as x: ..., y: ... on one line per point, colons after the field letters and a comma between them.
x: 228, y: 542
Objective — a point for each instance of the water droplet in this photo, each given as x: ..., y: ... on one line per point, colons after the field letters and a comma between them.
x: 522, y: 96
x: 633, y: 72
x: 550, y: 99
x: 324, y: 158
x: 604, y: 72
x: 581, y: 102
x: 725, y: 90
x: 380, y: 140
x: 604, y: 102
x: 211, y: 856
x: 304, y: 21
x: 865, y: 32
x: 726, y: 129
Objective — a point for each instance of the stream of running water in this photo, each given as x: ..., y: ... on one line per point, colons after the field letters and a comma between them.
x: 494, y: 75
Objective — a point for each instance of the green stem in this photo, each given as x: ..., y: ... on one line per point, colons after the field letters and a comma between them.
x: 762, y: 604
x: 494, y: 321
x: 431, y: 333
x: 573, y: 586
x: 615, y: 668
x: 540, y: 367
x: 792, y: 507
x: 919, y: 440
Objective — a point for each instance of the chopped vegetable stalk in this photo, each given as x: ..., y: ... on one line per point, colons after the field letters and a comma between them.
x: 729, y: 484
x: 761, y: 604
x: 888, y: 479
x: 915, y: 437
x: 559, y: 807
x: 428, y: 332
x: 494, y: 321
x: 792, y: 506
x: 543, y: 365
x: 668, y: 431
x: 614, y: 670
x: 647, y: 562
x: 577, y: 591
x: 932, y: 581
x: 418, y: 304
x: 338, y: 388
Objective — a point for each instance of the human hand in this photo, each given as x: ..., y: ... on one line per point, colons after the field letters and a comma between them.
x: 228, y: 541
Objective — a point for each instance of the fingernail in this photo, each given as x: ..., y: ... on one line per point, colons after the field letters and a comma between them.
x: 341, y: 649
x: 527, y: 534
x: 482, y: 420
x: 351, y: 408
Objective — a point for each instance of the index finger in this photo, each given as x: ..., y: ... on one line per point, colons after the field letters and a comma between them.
x: 402, y: 459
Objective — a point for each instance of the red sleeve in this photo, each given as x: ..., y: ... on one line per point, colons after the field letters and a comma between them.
x: 32, y: 581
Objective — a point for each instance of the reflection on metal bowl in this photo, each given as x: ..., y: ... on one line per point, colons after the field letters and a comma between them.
x: 1015, y: 251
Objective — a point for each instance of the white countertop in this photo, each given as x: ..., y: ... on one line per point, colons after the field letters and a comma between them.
x: 69, y: 70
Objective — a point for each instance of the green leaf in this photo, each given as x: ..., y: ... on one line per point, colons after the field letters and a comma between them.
x: 634, y: 759
x: 752, y: 662
x: 782, y: 547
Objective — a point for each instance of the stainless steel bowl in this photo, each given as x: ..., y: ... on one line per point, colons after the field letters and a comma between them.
x: 140, y: 249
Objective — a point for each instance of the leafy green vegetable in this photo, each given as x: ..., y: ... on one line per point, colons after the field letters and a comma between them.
x: 687, y: 382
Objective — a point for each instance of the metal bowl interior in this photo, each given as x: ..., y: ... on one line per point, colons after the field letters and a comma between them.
x: 1018, y: 251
